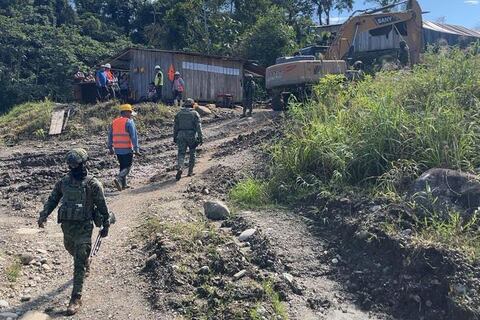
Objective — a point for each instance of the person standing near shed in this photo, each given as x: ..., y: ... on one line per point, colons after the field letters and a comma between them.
x: 158, y: 81
x: 178, y: 89
x: 248, y: 95
x: 123, y: 141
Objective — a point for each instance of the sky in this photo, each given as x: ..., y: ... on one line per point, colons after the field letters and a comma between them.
x: 459, y: 12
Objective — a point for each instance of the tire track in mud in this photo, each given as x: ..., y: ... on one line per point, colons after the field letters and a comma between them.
x: 115, y: 290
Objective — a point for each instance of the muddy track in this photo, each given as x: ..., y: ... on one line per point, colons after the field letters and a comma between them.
x: 117, y: 289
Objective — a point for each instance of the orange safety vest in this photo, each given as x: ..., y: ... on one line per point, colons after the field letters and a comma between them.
x: 121, y: 137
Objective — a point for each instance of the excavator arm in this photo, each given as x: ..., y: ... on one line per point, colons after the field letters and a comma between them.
x: 347, y: 34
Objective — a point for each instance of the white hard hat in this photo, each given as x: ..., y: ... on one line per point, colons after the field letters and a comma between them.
x: 177, y: 73
x: 108, y: 65
x: 157, y: 67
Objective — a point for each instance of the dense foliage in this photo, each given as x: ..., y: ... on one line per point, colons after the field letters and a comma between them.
x: 398, y: 122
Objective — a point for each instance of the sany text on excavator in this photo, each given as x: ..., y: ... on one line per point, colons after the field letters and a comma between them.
x: 295, y: 75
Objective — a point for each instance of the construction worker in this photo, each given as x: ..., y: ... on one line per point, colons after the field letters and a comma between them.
x: 101, y: 82
x: 82, y: 201
x: 158, y: 81
x: 404, y: 54
x: 178, y: 89
x: 249, y: 87
x: 123, y: 141
x: 187, y: 132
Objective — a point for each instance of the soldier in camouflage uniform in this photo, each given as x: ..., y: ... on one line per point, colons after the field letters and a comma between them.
x: 248, y: 95
x: 187, y: 133
x: 82, y: 203
x: 404, y: 54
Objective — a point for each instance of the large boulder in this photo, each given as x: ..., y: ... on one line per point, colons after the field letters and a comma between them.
x: 216, y: 210
x: 443, y: 191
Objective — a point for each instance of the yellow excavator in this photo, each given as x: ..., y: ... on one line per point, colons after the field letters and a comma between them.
x: 295, y: 75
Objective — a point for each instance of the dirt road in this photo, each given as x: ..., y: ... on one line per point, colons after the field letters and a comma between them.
x: 119, y: 286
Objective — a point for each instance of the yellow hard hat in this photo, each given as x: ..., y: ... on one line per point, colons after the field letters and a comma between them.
x: 126, y: 107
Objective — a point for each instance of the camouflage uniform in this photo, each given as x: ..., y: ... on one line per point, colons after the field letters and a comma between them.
x: 82, y: 201
x: 248, y: 95
x: 187, y: 134
x: 404, y: 54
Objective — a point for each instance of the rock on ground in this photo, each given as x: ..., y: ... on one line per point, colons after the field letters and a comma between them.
x: 35, y: 315
x: 216, y: 210
x: 247, y: 234
x: 440, y: 190
x: 203, y: 111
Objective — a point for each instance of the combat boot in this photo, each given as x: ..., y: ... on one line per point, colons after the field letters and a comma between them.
x: 190, y: 172
x: 74, y: 305
x: 117, y: 184
x: 178, y: 176
x: 87, y: 268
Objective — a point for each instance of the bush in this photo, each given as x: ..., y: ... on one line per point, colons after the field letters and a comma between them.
x: 249, y: 193
x: 351, y: 135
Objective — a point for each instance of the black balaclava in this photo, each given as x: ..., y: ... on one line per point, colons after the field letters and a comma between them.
x: 79, y: 172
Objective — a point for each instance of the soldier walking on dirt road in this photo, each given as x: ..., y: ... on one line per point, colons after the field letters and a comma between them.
x: 187, y: 133
x: 123, y: 141
x: 82, y: 202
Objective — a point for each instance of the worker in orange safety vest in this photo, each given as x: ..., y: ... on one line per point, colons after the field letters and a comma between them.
x: 123, y: 141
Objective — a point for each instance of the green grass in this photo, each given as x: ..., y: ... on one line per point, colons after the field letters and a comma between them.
x: 249, y: 193
x: 351, y: 135
x: 30, y: 119
x: 13, y: 271
x: 453, y: 233
x: 273, y: 296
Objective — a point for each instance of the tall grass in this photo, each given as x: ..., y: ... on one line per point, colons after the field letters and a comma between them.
x: 353, y: 134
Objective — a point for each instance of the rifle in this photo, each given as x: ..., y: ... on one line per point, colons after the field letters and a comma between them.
x: 98, y: 242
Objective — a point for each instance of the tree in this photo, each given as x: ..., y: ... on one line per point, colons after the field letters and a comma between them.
x: 324, y: 7
x: 271, y: 37
x: 381, y: 3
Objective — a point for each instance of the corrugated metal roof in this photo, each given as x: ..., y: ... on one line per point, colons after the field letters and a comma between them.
x: 452, y: 29
x: 123, y: 52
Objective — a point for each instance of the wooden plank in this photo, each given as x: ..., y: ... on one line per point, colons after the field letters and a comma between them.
x: 56, y: 124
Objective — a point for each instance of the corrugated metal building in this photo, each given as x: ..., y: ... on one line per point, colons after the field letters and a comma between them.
x: 206, y: 77
x: 433, y: 33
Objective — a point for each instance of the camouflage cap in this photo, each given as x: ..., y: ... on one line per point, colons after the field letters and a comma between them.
x: 76, y: 157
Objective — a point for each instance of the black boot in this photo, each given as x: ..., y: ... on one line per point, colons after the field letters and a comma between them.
x: 178, y: 176
x: 74, y: 305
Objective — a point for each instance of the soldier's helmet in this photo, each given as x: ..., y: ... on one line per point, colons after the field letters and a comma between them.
x: 76, y: 157
x: 189, y: 103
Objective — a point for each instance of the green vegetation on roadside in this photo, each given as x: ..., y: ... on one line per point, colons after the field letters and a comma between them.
x: 249, y: 193
x: 13, y: 270
x: 30, y: 119
x: 351, y: 135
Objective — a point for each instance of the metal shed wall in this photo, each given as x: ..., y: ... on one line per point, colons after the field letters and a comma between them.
x: 205, y: 77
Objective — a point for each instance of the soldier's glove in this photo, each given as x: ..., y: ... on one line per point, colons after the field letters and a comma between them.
x: 104, y: 232
x: 41, y: 222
